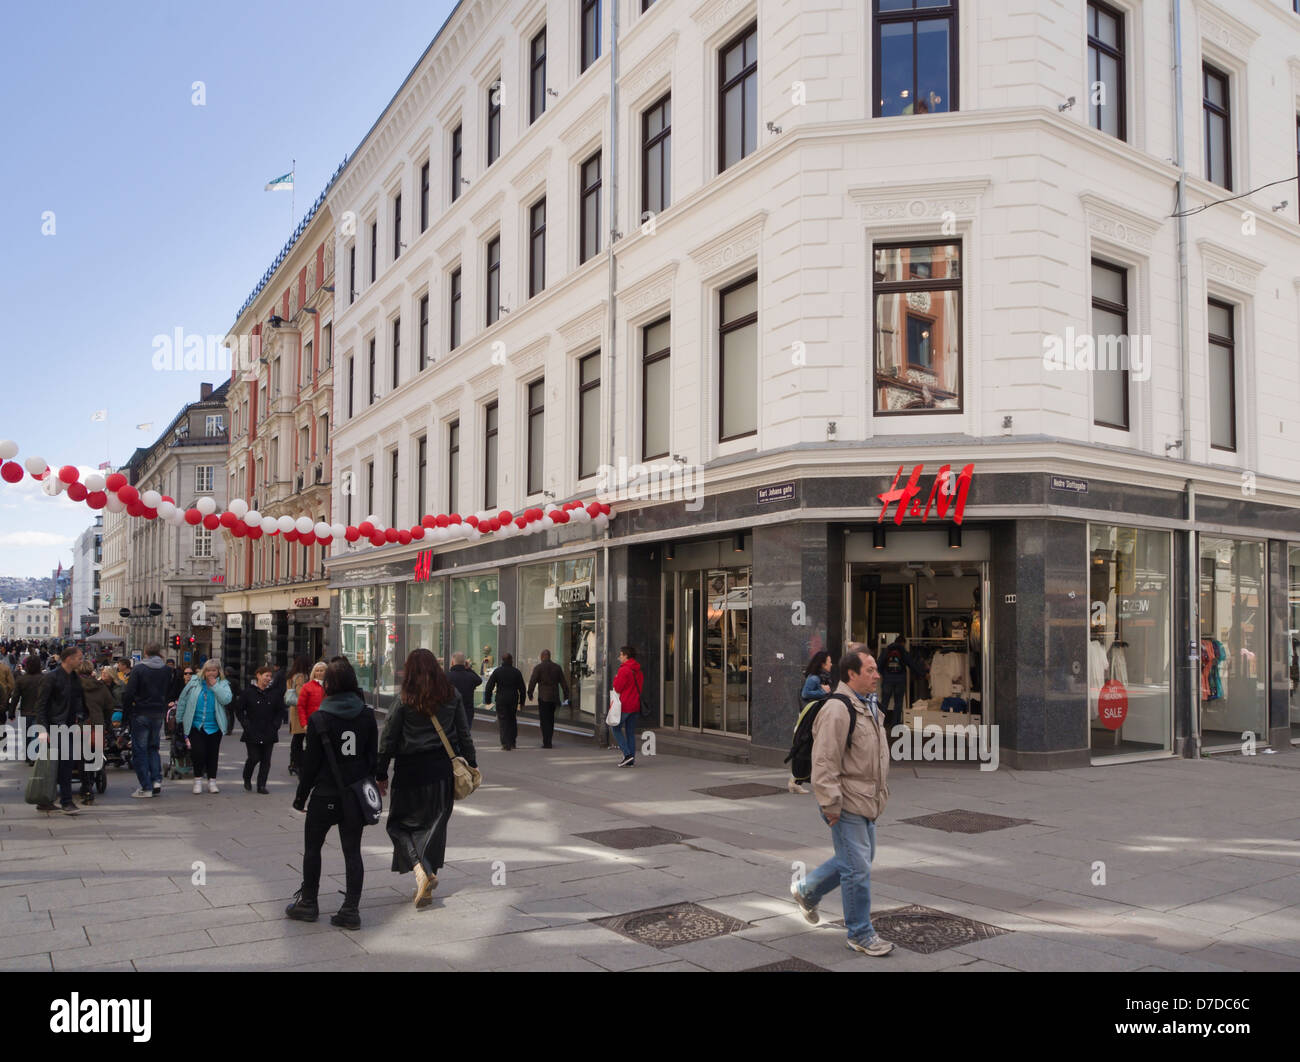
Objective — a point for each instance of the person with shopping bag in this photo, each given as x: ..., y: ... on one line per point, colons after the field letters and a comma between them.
x: 625, y: 704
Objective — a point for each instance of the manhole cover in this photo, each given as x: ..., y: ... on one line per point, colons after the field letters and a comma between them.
x: 742, y: 791
x: 790, y: 965
x: 923, y: 930
x: 635, y: 837
x: 967, y: 821
x: 666, y: 927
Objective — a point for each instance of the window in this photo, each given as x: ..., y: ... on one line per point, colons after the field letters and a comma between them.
x: 424, y: 196
x: 424, y: 332
x: 273, y: 375
x: 370, y: 488
x: 453, y: 313
x: 493, y: 279
x: 536, y: 435
x: 453, y: 466
x: 352, y: 274
x: 374, y: 251
x: 397, y: 351
x: 373, y: 392
x: 590, y: 33
x: 589, y: 415
x: 203, y: 479
x: 421, y: 474
x: 1218, y: 127
x: 323, y: 435
x: 304, y: 446
x: 351, y: 386
x: 915, y: 57
x: 1222, y: 380
x: 392, y: 489
x: 656, y: 144
x: 397, y: 226
x: 1110, y: 382
x: 656, y: 399
x: 327, y: 348
x: 738, y: 360
x: 537, y: 76
x: 494, y: 122
x: 490, y: 456
x: 457, y: 147
x: 918, y: 327
x: 202, y: 542
x: 305, y: 376
x: 1106, y: 88
x: 647, y: 4
x: 537, y: 247
x: 214, y: 424
x: 589, y: 209
x: 738, y: 98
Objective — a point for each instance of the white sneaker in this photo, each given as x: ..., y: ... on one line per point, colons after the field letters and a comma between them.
x: 198, y: 786
x: 139, y: 793
x: 212, y: 786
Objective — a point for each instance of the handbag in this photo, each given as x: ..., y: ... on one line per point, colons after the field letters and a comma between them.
x: 369, y: 803
x: 615, y: 714
x: 291, y: 698
x: 466, y: 778
x: 43, y: 783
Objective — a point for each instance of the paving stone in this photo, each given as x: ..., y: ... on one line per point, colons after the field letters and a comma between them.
x: 52, y: 940
x: 132, y: 949
x: 262, y: 954
x: 166, y: 925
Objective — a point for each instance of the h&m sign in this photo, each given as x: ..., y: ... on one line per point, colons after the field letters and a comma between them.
x: 423, y: 565
x: 948, y: 491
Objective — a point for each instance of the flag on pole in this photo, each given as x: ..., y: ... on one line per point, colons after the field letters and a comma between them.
x: 281, y: 184
x: 105, y: 465
x: 144, y: 427
x: 99, y: 414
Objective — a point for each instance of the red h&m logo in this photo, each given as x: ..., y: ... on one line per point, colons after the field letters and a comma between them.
x: 423, y: 565
x: 946, y: 488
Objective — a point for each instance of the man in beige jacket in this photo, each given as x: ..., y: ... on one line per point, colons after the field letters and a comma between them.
x: 850, y: 779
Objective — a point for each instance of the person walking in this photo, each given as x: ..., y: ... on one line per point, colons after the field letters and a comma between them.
x: 895, y: 662
x: 285, y: 689
x: 505, y: 689
x: 144, y: 707
x: 8, y: 686
x: 850, y: 776
x: 348, y: 724
x: 311, y: 695
x: 466, y: 681
x: 816, y: 685
x: 628, y: 683
x: 176, y: 680
x: 60, y: 704
x: 201, y: 714
x: 547, y: 680
x: 97, y: 695
x: 429, y: 710
x: 260, y: 721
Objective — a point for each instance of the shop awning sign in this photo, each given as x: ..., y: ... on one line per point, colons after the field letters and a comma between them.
x: 262, y: 621
x: 947, y: 491
x: 234, y: 621
x: 566, y: 594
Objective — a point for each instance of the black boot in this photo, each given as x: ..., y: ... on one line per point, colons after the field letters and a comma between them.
x: 348, y: 916
x: 302, y: 909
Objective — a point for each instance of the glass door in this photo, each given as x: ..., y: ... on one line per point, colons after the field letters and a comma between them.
x: 689, y: 637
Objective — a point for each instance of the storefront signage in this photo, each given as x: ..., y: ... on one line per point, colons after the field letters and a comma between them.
x: 306, y: 602
x: 1112, y: 705
x: 574, y: 593
x: 234, y: 621
x: 1074, y: 486
x: 423, y: 565
x: 218, y: 579
x: 948, y: 490
x: 262, y: 622
x: 780, y: 492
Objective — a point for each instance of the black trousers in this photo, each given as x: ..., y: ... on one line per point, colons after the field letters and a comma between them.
x: 508, y: 725
x: 892, y: 693
x: 64, y: 776
x: 322, y: 813
x: 295, y: 750
x: 259, y: 756
x: 204, y: 750
x: 546, y: 709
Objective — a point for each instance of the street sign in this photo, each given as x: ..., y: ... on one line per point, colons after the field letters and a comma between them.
x: 125, y: 613
x: 155, y: 609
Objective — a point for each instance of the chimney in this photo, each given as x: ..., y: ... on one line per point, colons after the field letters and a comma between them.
x: 205, y: 392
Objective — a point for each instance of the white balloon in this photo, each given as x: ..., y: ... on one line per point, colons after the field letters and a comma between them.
x: 253, y: 518
x: 285, y: 523
x: 304, y: 524
x: 94, y: 481
x: 580, y: 516
x: 165, y: 509
x: 115, y: 504
x: 600, y: 522
x: 269, y: 524
x: 550, y: 507
x: 322, y: 530
x: 151, y: 498
x: 8, y: 448
x: 238, y: 507
x: 36, y: 465
x: 338, y: 530
x: 371, y: 519
x: 51, y: 486
x: 206, y: 506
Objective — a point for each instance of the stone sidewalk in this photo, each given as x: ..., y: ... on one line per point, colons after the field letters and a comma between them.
x: 1201, y: 872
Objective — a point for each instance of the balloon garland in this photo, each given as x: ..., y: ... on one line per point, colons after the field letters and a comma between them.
x: 114, y: 493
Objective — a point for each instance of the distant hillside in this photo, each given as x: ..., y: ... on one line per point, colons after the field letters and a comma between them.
x: 14, y: 588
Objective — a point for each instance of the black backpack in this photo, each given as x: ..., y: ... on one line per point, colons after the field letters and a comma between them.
x: 800, y: 756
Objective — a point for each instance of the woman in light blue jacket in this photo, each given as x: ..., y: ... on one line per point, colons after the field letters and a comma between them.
x: 201, y: 713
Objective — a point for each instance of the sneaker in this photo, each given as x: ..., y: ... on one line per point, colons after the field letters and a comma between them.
x: 809, y: 910
x: 628, y: 761
x: 157, y: 790
x: 794, y: 787
x: 301, y: 910
x: 212, y: 786
x: 47, y: 807
x: 87, y: 799
x: 140, y: 793
x: 264, y: 792
x: 70, y: 809
x: 347, y: 918
x: 198, y: 787
x: 424, y: 885
x: 875, y: 946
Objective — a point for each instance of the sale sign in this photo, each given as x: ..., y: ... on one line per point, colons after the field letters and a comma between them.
x: 1112, y: 705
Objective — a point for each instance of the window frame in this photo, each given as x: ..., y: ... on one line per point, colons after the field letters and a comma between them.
x: 649, y: 144
x: 589, y: 48
x: 422, y: 319
x: 396, y: 350
x: 536, y: 254
x: 455, y: 289
x: 913, y: 15
x: 374, y: 364
x: 352, y: 383
x: 1230, y: 344
x: 453, y: 465
x: 1119, y: 54
x: 536, y: 408
x: 394, y: 462
x: 491, y: 280
x: 491, y: 452
x: 374, y: 250
x: 457, y: 158
x: 1224, y: 112
x: 202, y: 544
x: 726, y: 85
x: 200, y: 479
x: 536, y: 66
x: 648, y: 360
x: 586, y: 191
x: 397, y: 226
x: 724, y: 329
x: 1122, y: 310
x: 492, y: 128
x: 421, y: 475
x: 583, y: 388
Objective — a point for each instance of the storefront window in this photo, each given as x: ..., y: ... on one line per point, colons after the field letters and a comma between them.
x: 1293, y: 639
x: 357, y: 631
x: 424, y: 618
x: 476, y: 614
x: 1234, y: 626
x: 709, y: 651
x: 1129, y: 668
x: 387, y: 666
x: 557, y: 608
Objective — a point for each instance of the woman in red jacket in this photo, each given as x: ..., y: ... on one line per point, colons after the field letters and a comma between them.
x: 628, y: 683
x: 311, y: 694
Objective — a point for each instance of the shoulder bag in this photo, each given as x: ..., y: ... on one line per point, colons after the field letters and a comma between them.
x: 365, y: 792
x: 466, y: 778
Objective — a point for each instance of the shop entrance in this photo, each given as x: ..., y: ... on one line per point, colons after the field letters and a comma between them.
x: 707, y: 650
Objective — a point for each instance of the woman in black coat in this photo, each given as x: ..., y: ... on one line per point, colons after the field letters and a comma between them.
x: 259, y: 716
x: 423, y: 783
x: 505, y: 688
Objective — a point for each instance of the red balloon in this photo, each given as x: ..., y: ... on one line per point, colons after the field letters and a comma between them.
x: 454, y: 518
x: 115, y: 481
x: 96, y: 499
x: 593, y: 509
x: 193, y: 516
x: 69, y: 474
x: 135, y: 508
x: 291, y: 536
x: 229, y: 520
x: 211, y: 521
x: 128, y: 494
x: 472, y: 520
x: 324, y: 540
x: 377, y: 539
x: 442, y: 520
x: 505, y: 516
x: 417, y: 533
x: 520, y: 522
x: 11, y: 471
x: 150, y: 514
x: 351, y: 533
x: 428, y: 521
x: 168, y: 497
x: 77, y: 491
x: 43, y: 476
x: 366, y: 528
x: 390, y: 534
x: 255, y: 533
x: 239, y: 529
x: 404, y: 537
x: 309, y: 539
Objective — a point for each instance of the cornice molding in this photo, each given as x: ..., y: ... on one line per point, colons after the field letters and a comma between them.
x: 649, y: 70
x: 1112, y: 221
x: 449, y: 402
x: 588, y: 126
x: 450, y: 248
x: 491, y: 58
x: 586, y: 326
x: 731, y: 246
x: 1222, y: 29
x: 1230, y: 267
x: 489, y: 213
x: 532, y: 174
x: 648, y: 291
x: 485, y: 383
x: 712, y: 14
x: 899, y: 202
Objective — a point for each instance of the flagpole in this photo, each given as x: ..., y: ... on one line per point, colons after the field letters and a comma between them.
x: 293, y: 191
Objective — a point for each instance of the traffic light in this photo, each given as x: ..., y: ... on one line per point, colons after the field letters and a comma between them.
x: 193, y: 641
x: 176, y: 641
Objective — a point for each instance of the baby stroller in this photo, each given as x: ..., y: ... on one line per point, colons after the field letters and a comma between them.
x: 117, y: 741
x: 178, y: 750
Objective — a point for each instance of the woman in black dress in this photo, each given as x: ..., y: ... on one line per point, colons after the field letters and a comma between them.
x: 423, y: 786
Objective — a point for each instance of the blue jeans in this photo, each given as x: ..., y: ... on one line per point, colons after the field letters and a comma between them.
x: 146, y: 733
x: 625, y: 735
x: 849, y: 870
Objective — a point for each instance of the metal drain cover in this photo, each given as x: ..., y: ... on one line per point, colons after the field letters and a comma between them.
x: 666, y: 927
x: 959, y: 821
x: 742, y: 791
x: 926, y: 931
x: 635, y: 837
x: 790, y: 965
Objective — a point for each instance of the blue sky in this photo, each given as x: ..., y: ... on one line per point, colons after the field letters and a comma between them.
x: 160, y: 218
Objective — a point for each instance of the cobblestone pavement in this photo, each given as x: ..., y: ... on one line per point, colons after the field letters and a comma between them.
x: 1201, y: 863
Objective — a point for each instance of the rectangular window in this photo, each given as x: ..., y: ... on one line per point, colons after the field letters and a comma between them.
x: 537, y: 76
x: 537, y: 247
x: 1110, y: 381
x: 392, y: 488
x: 1222, y: 381
x: 453, y: 312
x: 304, y: 446
x: 352, y: 274
x: 494, y: 122
x: 918, y: 327
x: 327, y: 348
x: 656, y: 398
x: 536, y: 435
x: 457, y: 150
x: 373, y: 391
x: 589, y: 415
x: 306, y: 375
x: 421, y: 475
x: 202, y: 542
x: 1218, y: 127
x: 453, y: 466
x: 370, y: 488
x: 424, y: 197
x: 374, y: 251
x: 323, y: 435
x: 352, y: 384
x: 589, y: 209
x: 590, y: 33
x: 397, y: 351
x: 1106, y: 88
x: 915, y: 52
x: 397, y: 226
x: 214, y: 424
x: 738, y: 98
x: 493, y: 279
x: 424, y: 332
x: 203, y: 479
x: 490, y: 456
x: 738, y: 360
x: 656, y: 156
